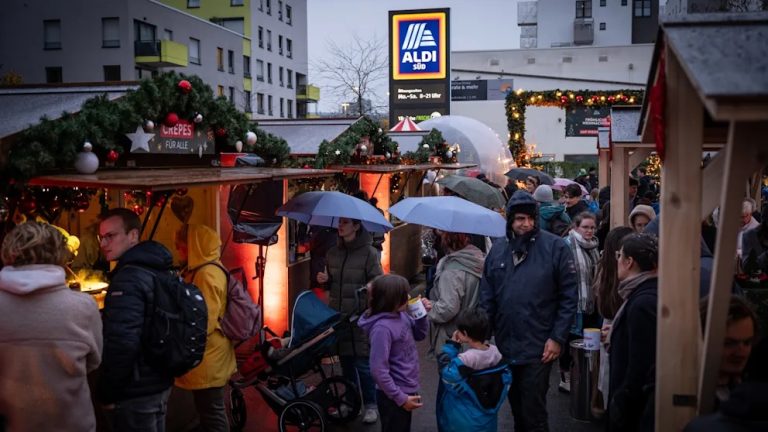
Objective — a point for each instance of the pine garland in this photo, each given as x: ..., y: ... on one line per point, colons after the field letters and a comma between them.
x: 340, y: 150
x: 52, y: 145
x: 516, y: 103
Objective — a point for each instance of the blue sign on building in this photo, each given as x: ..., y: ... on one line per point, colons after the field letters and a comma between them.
x: 419, y: 46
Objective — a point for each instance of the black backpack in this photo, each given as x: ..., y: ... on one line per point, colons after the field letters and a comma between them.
x: 558, y: 227
x: 175, y: 331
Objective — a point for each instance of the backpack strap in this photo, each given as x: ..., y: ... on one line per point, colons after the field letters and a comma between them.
x: 214, y: 263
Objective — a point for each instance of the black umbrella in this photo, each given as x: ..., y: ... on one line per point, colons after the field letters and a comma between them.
x: 521, y: 174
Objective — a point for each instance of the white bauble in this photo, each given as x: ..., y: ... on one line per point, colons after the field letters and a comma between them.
x: 86, y: 162
x: 239, y: 146
x: 250, y: 138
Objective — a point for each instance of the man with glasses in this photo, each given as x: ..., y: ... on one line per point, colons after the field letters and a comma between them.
x: 133, y: 393
x: 528, y: 289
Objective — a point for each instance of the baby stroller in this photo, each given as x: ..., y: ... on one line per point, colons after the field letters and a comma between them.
x: 279, y: 367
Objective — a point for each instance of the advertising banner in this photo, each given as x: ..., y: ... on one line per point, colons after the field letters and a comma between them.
x: 585, y: 121
x: 473, y: 90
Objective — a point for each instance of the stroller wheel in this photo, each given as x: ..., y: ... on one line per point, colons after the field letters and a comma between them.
x: 301, y: 415
x: 339, y: 399
x: 236, y: 410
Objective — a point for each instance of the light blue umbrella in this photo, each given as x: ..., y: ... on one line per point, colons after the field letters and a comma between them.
x: 325, y: 208
x: 450, y: 213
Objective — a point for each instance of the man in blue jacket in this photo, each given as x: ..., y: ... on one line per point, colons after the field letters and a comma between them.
x: 529, y: 292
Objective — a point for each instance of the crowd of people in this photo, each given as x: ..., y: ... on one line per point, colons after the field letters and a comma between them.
x: 497, y: 320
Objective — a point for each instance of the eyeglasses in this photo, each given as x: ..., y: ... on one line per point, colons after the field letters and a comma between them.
x: 107, y: 238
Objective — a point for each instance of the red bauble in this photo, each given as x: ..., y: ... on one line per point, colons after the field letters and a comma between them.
x: 579, y: 98
x: 160, y: 201
x: 82, y: 202
x: 27, y: 204
x: 112, y: 156
x: 185, y: 86
x: 171, y: 120
x: 563, y: 100
x: 221, y: 132
x: 181, y: 191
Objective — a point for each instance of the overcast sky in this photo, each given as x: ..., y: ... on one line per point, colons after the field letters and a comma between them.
x: 475, y: 25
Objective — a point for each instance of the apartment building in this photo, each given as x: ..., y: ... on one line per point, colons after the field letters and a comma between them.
x: 275, y: 50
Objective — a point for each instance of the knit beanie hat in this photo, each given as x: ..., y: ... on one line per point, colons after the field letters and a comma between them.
x: 543, y: 194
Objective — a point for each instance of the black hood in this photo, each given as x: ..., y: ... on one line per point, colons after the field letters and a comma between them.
x: 522, y: 202
x: 147, y: 254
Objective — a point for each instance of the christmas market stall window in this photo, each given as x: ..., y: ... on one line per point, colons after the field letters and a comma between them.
x: 518, y: 101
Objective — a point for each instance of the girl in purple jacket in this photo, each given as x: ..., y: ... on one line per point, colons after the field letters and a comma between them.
x: 394, y: 359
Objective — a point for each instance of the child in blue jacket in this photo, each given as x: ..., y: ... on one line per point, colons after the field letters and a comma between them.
x: 474, y: 382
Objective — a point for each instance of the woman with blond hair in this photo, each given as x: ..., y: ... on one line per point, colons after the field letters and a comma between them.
x: 50, y: 336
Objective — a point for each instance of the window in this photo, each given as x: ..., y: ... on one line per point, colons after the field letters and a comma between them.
x: 231, y: 61
x: 54, y: 74
x: 220, y: 59
x: 290, y: 78
x: 110, y: 32
x: 602, y: 3
x: 246, y: 66
x: 269, y: 40
x: 602, y: 26
x: 168, y: 35
x: 112, y: 73
x: 290, y: 108
x: 260, y: 70
x: 642, y: 8
x: 280, y: 76
x: 282, y: 111
x: 269, y: 7
x: 193, y: 4
x: 237, y: 25
x: 289, y: 48
x: 260, y: 103
x: 220, y: 90
x: 280, y: 44
x: 583, y: 8
x: 261, y: 37
x: 236, y: 3
x: 194, y: 51
x: 52, y: 35
x: 288, y: 15
x: 623, y: 2
x: 269, y: 105
x: 280, y: 10
x: 144, y: 32
x: 232, y: 95
x: 261, y: 5
x: 269, y: 73
x: 247, y: 107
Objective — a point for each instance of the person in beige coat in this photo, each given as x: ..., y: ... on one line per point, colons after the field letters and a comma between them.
x: 50, y: 336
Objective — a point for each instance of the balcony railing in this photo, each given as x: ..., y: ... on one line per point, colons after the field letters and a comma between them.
x: 307, y: 92
x: 163, y: 53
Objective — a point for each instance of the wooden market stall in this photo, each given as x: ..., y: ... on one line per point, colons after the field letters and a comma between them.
x: 708, y: 75
x: 389, y: 184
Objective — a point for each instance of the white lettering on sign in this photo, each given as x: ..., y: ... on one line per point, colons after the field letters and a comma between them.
x: 419, y: 56
x: 176, y: 145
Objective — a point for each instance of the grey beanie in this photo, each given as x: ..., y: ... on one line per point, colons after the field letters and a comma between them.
x: 543, y: 194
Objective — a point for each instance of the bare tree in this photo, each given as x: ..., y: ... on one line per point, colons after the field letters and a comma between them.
x: 354, y: 70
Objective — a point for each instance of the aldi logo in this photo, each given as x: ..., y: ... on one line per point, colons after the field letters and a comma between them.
x: 419, y: 43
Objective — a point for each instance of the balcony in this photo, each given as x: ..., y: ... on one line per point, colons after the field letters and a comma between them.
x: 583, y: 31
x: 163, y: 53
x: 307, y: 92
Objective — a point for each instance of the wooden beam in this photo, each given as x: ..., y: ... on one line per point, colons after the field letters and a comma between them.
x: 638, y: 156
x: 678, y: 334
x: 604, y: 167
x: 619, y: 187
x: 712, y: 180
x: 746, y: 153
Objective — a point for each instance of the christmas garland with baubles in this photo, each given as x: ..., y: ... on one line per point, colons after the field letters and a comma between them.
x: 365, y: 142
x: 102, y: 126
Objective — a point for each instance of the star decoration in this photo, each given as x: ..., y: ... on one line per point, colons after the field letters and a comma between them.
x: 140, y: 140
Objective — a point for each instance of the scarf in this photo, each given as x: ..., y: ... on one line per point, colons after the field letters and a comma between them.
x: 520, y: 244
x: 586, y: 256
x: 626, y: 287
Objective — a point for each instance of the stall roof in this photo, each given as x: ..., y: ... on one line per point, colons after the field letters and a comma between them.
x: 305, y: 135
x: 385, y: 168
x: 165, y: 179
x: 724, y: 55
x: 22, y: 107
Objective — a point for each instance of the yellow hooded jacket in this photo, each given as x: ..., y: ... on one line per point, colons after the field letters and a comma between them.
x: 204, y: 245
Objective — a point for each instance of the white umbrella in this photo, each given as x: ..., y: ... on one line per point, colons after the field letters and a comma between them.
x: 324, y: 208
x: 450, y: 213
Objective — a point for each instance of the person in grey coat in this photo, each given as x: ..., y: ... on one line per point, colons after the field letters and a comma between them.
x: 529, y: 291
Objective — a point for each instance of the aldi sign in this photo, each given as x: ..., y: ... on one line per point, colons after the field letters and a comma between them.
x: 419, y: 51
x: 419, y: 45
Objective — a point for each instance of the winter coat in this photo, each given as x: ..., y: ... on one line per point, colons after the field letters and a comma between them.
x: 752, y: 245
x: 394, y: 357
x: 577, y: 208
x: 548, y: 213
x: 531, y: 301
x: 125, y: 372
x: 744, y: 411
x: 470, y: 399
x: 218, y: 365
x: 633, y: 360
x: 752, y: 224
x: 50, y: 339
x: 321, y: 239
x: 350, y: 267
x: 456, y: 288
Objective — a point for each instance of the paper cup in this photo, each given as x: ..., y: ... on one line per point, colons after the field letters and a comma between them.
x: 416, y: 308
x: 592, y: 339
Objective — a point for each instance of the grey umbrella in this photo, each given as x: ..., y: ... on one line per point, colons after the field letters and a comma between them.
x: 522, y: 173
x: 474, y: 190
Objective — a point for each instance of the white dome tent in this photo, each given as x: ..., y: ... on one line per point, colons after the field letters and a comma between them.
x: 479, y: 144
